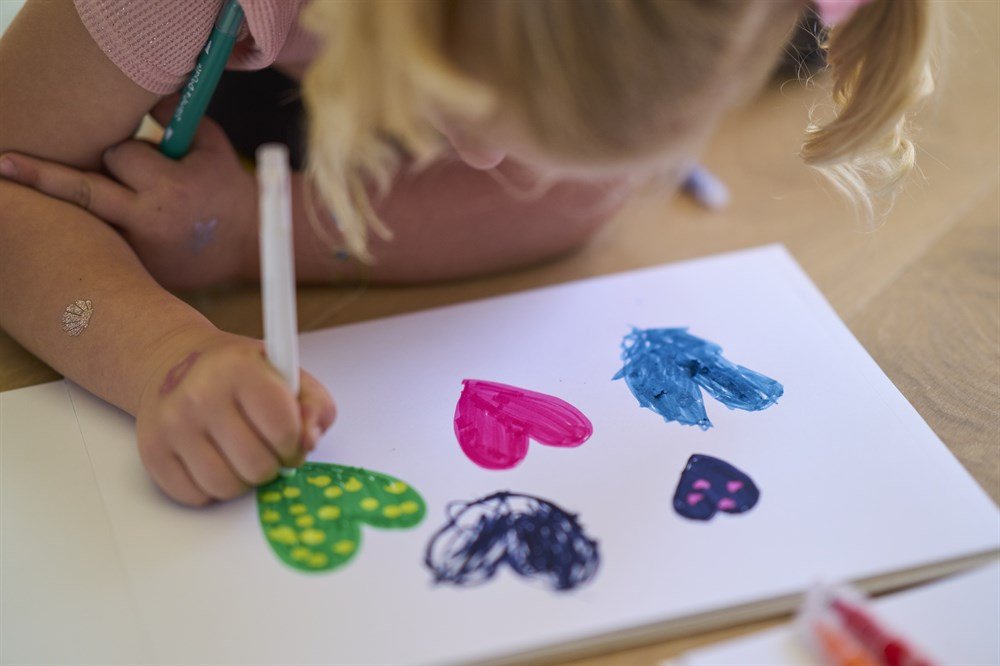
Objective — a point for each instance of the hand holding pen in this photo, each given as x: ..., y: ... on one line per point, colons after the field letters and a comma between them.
x: 225, y: 413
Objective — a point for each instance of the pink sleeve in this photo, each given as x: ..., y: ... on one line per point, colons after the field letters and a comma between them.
x: 156, y: 42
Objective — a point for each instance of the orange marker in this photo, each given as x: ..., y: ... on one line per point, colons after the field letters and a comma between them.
x: 839, y: 648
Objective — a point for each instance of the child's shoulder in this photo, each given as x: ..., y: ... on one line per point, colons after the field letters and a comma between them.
x: 156, y: 44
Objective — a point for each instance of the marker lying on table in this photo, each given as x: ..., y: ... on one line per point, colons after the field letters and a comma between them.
x: 841, y: 630
x: 196, y: 95
x: 705, y: 188
x: 277, y: 267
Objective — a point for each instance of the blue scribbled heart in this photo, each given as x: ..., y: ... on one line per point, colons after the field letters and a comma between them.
x: 667, y: 369
x: 708, y: 485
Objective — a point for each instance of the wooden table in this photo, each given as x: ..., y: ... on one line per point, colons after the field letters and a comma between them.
x: 922, y: 293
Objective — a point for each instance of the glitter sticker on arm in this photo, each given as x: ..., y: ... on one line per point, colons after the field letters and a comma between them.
x: 312, y: 518
x: 177, y: 373
x: 534, y: 537
x: 667, y: 368
x: 76, y: 317
x: 708, y: 485
x: 493, y: 423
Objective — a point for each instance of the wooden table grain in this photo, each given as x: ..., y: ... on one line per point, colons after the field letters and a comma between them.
x: 921, y: 293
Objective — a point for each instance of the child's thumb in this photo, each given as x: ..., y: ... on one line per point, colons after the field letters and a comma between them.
x: 317, y: 409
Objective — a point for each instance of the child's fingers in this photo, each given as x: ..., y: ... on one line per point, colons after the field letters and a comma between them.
x: 208, y: 137
x: 174, y: 480
x: 137, y: 164
x: 272, y: 411
x: 164, y: 109
x: 247, y: 453
x: 317, y: 409
x: 209, y: 469
x: 91, y: 191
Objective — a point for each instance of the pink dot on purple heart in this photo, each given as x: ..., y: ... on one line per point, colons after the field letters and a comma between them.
x: 733, y: 486
x: 701, y: 484
x: 694, y: 498
x: 726, y: 504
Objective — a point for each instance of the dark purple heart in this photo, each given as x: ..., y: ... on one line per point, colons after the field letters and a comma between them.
x: 708, y: 485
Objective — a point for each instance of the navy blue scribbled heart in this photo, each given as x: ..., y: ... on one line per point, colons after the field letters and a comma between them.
x: 708, y: 485
x: 536, y: 538
x: 667, y: 368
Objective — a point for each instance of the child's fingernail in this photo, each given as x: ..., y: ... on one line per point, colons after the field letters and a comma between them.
x: 7, y: 167
x: 314, y: 434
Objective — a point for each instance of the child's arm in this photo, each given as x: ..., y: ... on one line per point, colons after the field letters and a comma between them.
x: 213, y: 417
x: 191, y: 225
x: 451, y: 221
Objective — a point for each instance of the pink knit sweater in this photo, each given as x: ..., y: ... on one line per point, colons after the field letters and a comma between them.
x: 156, y: 42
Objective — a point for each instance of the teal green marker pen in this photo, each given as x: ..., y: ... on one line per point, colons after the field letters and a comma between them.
x: 198, y: 92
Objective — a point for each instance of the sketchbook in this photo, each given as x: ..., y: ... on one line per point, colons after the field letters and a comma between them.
x: 563, y: 470
x: 953, y: 621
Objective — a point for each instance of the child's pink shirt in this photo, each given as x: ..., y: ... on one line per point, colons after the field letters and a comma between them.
x: 156, y: 42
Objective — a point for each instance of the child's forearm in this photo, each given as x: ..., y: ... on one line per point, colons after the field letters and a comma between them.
x: 74, y: 294
x: 450, y: 221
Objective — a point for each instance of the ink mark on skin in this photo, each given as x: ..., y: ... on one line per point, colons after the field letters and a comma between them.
x: 312, y: 518
x: 177, y: 373
x: 534, y: 537
x: 708, y: 485
x: 667, y: 368
x: 76, y: 317
x: 493, y: 423
x: 342, y: 255
x: 204, y: 235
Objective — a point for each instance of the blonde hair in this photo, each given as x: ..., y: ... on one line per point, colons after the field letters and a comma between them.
x: 881, y: 66
x: 591, y: 81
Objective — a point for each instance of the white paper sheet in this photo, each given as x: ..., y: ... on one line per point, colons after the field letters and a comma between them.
x: 953, y: 621
x: 853, y: 483
x: 65, y: 598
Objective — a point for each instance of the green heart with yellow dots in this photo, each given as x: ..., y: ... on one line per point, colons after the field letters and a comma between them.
x: 312, y: 517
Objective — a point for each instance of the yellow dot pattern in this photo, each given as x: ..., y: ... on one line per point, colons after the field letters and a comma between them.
x: 305, y: 521
x: 312, y: 518
x: 344, y: 547
x: 321, y: 481
x: 328, y: 512
x: 312, y: 537
x: 284, y: 535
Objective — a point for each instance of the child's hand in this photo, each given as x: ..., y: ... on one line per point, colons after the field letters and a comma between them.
x: 192, y: 222
x: 216, y: 419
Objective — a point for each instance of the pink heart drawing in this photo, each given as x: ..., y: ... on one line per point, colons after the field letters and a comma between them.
x: 493, y: 423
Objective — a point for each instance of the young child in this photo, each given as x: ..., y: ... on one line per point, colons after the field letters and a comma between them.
x: 469, y: 135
